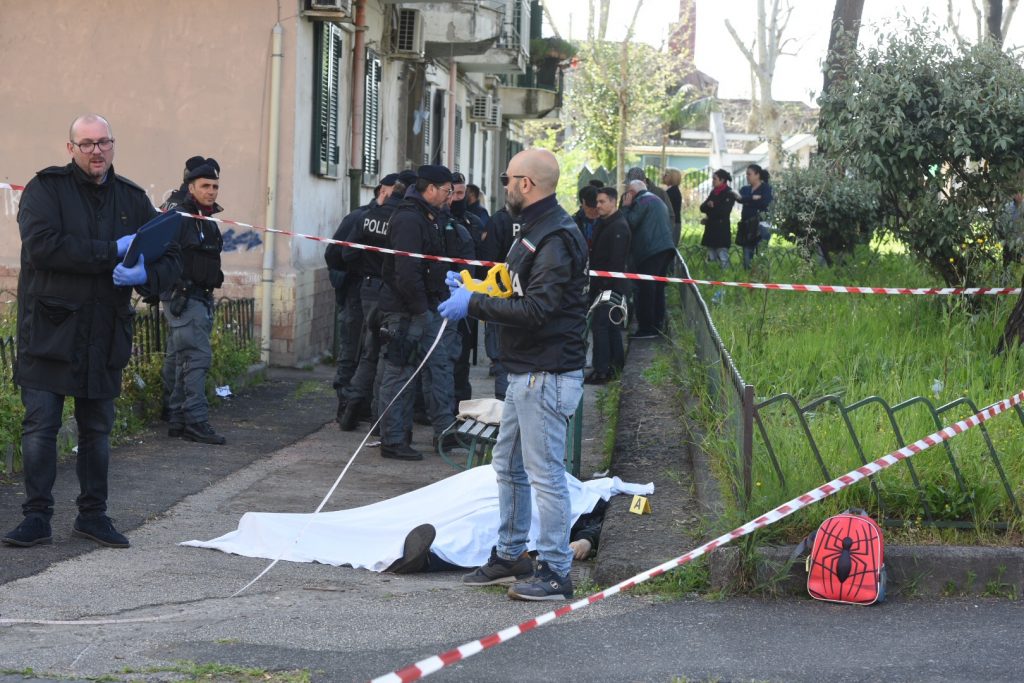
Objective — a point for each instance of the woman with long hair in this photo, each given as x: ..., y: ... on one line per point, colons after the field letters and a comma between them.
x: 717, y: 209
x: 755, y: 198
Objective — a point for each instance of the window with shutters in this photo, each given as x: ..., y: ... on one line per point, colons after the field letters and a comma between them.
x: 326, y: 153
x: 371, y: 119
x: 427, y: 123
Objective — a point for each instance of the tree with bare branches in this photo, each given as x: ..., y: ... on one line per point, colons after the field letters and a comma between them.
x: 991, y: 17
x: 762, y: 54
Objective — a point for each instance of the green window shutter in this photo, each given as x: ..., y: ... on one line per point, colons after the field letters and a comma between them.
x: 326, y: 153
x: 371, y: 119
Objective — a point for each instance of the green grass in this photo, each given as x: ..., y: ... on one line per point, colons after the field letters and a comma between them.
x: 608, y: 407
x: 857, y: 346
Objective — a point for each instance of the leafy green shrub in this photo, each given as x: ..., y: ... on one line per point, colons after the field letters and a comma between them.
x: 824, y: 210
x: 937, y: 124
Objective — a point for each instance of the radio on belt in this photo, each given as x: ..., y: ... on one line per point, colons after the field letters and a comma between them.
x: 497, y: 283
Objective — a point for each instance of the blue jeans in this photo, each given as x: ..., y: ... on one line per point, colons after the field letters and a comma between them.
x: 95, y: 418
x: 530, y: 452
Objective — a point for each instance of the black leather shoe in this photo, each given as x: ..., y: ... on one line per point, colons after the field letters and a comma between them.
x: 350, y: 417
x: 202, y: 432
x: 100, y: 529
x: 596, y: 377
x: 415, y: 552
x: 400, y: 452
x: 175, y: 430
x: 33, y: 530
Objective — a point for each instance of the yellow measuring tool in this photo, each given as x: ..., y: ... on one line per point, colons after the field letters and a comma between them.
x: 497, y: 283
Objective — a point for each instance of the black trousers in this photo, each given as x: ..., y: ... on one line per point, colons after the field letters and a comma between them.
x: 95, y: 419
x: 467, y: 331
x: 649, y: 299
x: 608, y: 352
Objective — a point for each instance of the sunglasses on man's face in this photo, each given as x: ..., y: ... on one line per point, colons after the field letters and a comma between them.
x: 505, y: 178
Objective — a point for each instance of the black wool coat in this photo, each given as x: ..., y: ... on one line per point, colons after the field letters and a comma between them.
x: 74, y: 326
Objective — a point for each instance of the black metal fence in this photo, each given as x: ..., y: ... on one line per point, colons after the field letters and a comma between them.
x: 949, y: 498
x: 778, y: 438
x: 233, y: 318
x: 729, y: 396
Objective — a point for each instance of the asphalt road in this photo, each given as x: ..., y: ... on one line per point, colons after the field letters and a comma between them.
x: 349, y: 625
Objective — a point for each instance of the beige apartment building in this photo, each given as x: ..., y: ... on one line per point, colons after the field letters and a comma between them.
x: 305, y: 104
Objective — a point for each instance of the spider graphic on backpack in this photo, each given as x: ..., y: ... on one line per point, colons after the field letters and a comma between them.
x: 846, y: 562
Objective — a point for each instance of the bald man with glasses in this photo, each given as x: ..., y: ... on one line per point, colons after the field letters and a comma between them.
x: 75, y: 322
x: 542, y: 327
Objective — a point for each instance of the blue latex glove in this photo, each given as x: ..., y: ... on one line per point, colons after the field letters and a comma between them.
x: 453, y: 279
x: 457, y: 306
x: 123, y: 243
x: 130, y: 277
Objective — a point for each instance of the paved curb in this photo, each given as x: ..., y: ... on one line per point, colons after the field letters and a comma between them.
x: 914, y: 571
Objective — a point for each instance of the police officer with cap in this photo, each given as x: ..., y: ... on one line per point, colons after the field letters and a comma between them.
x: 188, y: 306
x: 411, y: 292
x: 345, y: 277
x: 372, y: 231
x: 467, y: 243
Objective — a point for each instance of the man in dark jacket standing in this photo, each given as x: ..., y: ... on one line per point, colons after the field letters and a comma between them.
x: 412, y: 290
x: 609, y: 251
x: 474, y: 205
x: 652, y: 252
x: 372, y: 230
x: 467, y: 224
x: 543, y: 347
x: 75, y: 321
x: 188, y: 307
x: 345, y: 277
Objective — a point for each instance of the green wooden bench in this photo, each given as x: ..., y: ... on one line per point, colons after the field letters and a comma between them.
x: 478, y: 439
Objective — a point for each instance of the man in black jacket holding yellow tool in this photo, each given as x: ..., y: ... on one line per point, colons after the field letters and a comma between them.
x: 543, y: 321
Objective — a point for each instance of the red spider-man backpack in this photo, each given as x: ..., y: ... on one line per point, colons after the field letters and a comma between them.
x: 847, y: 561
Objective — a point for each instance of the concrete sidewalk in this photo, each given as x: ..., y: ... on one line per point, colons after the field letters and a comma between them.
x: 343, y: 624
x: 163, y: 495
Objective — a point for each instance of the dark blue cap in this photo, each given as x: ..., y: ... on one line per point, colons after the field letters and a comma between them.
x: 389, y: 180
x: 207, y: 168
x: 435, y: 173
x: 408, y: 177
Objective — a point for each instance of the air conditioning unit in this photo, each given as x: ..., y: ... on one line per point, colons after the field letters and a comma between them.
x: 407, y: 34
x: 328, y: 10
x: 493, y: 121
x: 479, y: 107
x: 330, y: 5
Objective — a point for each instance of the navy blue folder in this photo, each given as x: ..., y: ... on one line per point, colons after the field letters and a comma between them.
x: 153, y: 237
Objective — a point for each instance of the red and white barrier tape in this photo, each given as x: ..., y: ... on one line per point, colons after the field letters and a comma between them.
x: 425, y: 667
x: 784, y: 287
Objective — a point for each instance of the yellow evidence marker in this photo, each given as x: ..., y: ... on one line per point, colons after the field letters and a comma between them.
x: 640, y: 506
x: 497, y: 283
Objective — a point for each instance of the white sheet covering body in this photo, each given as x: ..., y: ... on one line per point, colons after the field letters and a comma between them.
x: 463, y: 508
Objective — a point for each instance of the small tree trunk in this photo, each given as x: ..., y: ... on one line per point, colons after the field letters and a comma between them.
x: 1013, y: 333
